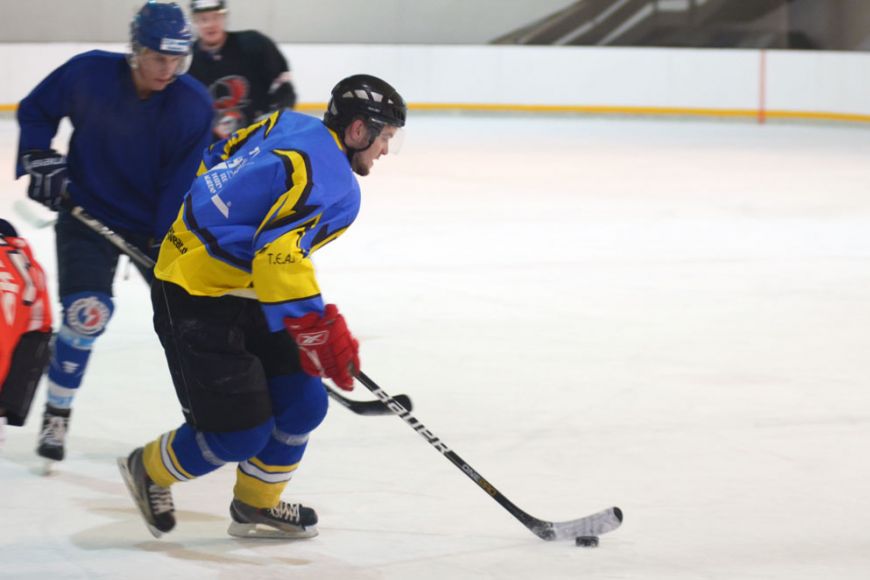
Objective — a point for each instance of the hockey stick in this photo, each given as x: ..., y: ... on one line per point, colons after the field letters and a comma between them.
x: 117, y: 240
x: 369, y: 408
x: 78, y: 212
x: 592, y: 525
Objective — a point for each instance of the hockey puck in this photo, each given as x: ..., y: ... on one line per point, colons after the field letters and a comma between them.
x: 586, y: 541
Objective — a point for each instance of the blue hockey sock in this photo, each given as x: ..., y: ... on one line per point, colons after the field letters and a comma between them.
x: 85, y: 316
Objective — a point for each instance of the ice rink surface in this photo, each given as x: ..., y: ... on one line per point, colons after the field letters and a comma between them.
x: 671, y: 317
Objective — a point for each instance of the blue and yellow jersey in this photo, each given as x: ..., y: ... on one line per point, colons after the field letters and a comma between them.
x: 264, y: 200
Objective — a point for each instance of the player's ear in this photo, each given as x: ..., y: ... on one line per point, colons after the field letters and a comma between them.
x: 356, y: 135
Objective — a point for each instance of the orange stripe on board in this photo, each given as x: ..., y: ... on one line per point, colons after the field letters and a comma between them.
x: 606, y: 110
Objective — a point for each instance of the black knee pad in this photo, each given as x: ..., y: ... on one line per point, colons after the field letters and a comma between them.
x: 28, y: 363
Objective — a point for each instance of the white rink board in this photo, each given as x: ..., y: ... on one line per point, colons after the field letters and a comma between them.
x: 569, y: 76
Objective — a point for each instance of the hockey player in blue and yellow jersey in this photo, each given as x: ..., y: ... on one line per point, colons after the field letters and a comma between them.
x: 239, y: 313
x: 139, y: 128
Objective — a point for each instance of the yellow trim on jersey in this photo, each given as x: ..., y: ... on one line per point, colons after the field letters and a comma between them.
x: 242, y: 135
x: 199, y: 281
x: 328, y: 239
x: 337, y: 140
x: 282, y: 272
x: 254, y: 492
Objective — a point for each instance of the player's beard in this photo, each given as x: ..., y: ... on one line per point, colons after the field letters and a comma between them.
x: 358, y: 165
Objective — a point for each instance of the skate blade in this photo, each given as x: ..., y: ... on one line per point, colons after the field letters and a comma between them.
x: 48, y: 467
x: 240, y: 530
x: 128, y: 481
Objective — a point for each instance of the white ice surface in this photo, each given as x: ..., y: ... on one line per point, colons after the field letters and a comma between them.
x: 671, y: 317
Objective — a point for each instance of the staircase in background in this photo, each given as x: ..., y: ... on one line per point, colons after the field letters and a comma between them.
x: 697, y: 23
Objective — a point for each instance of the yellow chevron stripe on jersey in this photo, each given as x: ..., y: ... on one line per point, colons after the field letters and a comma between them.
x: 292, y: 202
x: 282, y: 272
x: 327, y: 239
x: 240, y: 137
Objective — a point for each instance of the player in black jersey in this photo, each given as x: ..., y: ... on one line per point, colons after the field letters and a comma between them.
x: 244, y: 71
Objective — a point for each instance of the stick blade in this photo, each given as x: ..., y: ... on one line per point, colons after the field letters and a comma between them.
x: 595, y: 524
x: 405, y: 401
x: 378, y: 408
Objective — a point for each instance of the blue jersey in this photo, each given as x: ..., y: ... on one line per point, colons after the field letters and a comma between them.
x: 266, y: 198
x: 130, y: 160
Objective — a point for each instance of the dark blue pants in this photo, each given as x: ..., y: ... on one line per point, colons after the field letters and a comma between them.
x: 86, y: 261
x: 86, y: 265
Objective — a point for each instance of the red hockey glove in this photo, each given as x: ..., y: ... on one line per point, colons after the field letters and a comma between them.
x: 326, y: 346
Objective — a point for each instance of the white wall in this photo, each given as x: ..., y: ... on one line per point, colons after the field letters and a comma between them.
x: 302, y: 21
x: 623, y: 78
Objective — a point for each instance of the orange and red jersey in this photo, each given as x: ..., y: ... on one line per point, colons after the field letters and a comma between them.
x: 24, y: 299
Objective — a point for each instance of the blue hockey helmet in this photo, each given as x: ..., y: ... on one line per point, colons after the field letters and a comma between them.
x: 162, y: 28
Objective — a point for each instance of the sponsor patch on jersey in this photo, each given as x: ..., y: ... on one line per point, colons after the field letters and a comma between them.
x: 88, y: 315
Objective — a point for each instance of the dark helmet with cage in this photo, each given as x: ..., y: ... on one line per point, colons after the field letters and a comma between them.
x: 368, y: 98
x: 163, y: 28
x: 7, y: 230
x: 197, y: 6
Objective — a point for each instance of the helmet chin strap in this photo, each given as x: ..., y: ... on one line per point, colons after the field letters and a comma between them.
x: 351, y: 151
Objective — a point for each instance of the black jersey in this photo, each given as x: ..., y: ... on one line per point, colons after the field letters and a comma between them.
x: 247, y: 78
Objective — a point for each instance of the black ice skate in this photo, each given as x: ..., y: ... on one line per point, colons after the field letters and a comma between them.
x: 55, y: 423
x: 286, y: 520
x: 153, y: 501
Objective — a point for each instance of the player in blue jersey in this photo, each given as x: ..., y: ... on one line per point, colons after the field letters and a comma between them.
x: 139, y: 128
x: 239, y: 312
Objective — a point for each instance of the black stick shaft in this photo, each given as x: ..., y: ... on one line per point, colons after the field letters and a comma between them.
x: 396, y: 407
x: 119, y: 242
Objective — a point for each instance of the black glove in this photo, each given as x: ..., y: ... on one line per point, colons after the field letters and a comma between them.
x: 48, y: 176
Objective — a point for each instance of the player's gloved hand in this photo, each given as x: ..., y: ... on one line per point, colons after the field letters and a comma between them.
x: 326, y: 346
x: 48, y: 176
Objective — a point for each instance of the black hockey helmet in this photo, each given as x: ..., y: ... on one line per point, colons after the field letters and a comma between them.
x: 365, y: 97
x: 7, y: 230
x: 207, y: 6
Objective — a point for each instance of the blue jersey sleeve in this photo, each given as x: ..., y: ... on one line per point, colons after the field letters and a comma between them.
x: 41, y: 112
x: 282, y: 270
x: 297, y: 224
